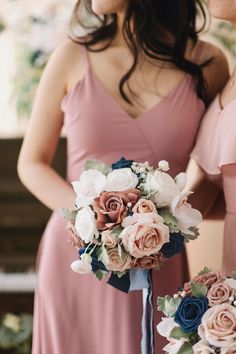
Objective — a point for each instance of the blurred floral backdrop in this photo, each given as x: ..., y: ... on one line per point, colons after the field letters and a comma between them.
x: 29, y: 32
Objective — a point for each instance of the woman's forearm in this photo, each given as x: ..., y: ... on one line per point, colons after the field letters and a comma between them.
x: 49, y: 187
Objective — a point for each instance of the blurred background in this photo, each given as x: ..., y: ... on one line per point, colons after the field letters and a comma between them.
x: 29, y: 32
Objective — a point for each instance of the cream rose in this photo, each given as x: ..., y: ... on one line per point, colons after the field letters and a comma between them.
x: 144, y: 206
x: 113, y: 261
x: 219, y: 293
x: 121, y: 180
x: 218, y: 325
x: 144, y: 234
x: 109, y: 239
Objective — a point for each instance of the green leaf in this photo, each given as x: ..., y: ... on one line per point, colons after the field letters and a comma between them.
x: 168, y: 305
x: 169, y: 219
x: 69, y: 215
x: 198, y: 289
x: 104, y: 255
x: 117, y: 230
x: 205, y: 270
x: 178, y: 333
x: 97, y: 165
x: 119, y: 274
x: 186, y: 348
x: 100, y: 274
x: 234, y: 275
x: 193, y: 235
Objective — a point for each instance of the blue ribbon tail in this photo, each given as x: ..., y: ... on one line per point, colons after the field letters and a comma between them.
x: 147, y: 343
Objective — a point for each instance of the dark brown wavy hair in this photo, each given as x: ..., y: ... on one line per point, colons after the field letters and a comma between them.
x: 144, y: 24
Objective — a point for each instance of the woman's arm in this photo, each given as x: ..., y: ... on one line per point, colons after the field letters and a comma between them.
x: 43, y: 133
x: 229, y: 185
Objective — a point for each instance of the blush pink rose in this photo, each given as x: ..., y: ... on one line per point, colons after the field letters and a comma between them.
x: 72, y: 236
x: 109, y: 239
x: 145, y: 235
x: 218, y: 325
x: 219, y: 293
x: 114, y: 261
x: 144, y: 206
x: 207, y: 279
x: 149, y: 262
x: 112, y: 207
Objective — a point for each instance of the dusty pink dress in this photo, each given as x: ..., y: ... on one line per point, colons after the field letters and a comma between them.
x: 215, y: 148
x: 78, y: 314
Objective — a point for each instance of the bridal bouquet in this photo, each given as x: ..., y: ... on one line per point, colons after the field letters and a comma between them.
x: 129, y: 215
x: 201, y: 317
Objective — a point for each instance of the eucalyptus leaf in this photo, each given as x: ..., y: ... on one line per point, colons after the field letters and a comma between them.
x: 205, y: 270
x: 169, y: 219
x: 193, y: 235
x: 100, y: 274
x: 122, y: 253
x: 117, y: 230
x: 198, y: 289
x: 120, y: 274
x: 177, y: 333
x: 104, y: 255
x: 186, y: 348
x: 69, y: 215
x: 97, y: 165
x: 168, y: 305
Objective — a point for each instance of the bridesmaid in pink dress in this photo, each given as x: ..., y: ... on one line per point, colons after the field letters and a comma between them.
x: 215, y: 150
x: 155, y: 117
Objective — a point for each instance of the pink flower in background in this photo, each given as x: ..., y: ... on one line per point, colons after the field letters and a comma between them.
x: 144, y: 206
x: 149, y: 262
x: 218, y: 325
x: 219, y: 293
x: 112, y: 207
x: 144, y: 234
x: 207, y: 279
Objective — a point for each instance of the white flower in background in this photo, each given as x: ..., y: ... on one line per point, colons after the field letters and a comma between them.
x: 121, y: 180
x: 83, y: 265
x: 231, y: 283
x: 165, y: 187
x: 174, y: 346
x: 165, y: 327
x: 85, y: 225
x: 12, y: 322
x: 89, y: 187
x: 202, y: 347
x: 181, y: 180
x: 163, y: 165
x: 187, y: 216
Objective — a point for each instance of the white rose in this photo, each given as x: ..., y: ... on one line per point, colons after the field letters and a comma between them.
x: 174, y: 346
x: 165, y: 327
x: 90, y: 186
x: 85, y: 225
x: 163, y: 165
x: 187, y: 216
x: 83, y: 265
x: 181, y: 180
x: 165, y: 187
x: 121, y: 180
x: 231, y: 283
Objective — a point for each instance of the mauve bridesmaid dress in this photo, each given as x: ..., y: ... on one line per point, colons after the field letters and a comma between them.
x: 216, y: 147
x: 77, y: 314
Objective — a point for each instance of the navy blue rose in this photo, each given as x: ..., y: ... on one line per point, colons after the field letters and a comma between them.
x: 96, y: 264
x: 122, y: 163
x: 174, y: 246
x: 190, y: 312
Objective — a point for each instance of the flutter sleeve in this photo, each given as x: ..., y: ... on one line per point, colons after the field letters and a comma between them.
x: 216, y: 141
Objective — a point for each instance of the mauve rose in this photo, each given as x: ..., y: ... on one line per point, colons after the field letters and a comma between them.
x: 207, y: 279
x: 145, y: 235
x: 149, y: 262
x: 111, y: 207
x: 72, y: 236
x: 144, y: 206
x: 109, y: 239
x: 219, y: 293
x: 218, y: 325
x: 114, y: 262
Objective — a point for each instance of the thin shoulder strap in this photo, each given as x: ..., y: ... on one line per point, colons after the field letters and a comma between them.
x: 197, y: 52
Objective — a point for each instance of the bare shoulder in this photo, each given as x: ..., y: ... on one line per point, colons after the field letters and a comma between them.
x: 66, y: 62
x: 216, y: 72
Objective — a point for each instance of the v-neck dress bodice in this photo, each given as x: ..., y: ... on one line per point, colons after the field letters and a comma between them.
x: 78, y: 314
